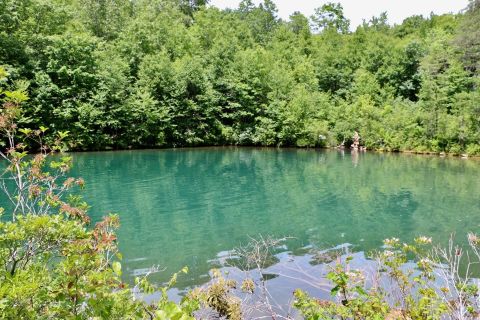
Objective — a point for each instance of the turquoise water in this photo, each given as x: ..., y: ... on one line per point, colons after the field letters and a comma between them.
x: 187, y: 207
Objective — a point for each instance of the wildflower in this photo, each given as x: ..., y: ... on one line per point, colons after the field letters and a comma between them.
x: 473, y: 239
x: 34, y: 191
x: 388, y: 253
x: 248, y: 286
x: 67, y: 183
x: 80, y: 182
x: 391, y: 242
x: 216, y: 273
x: 355, y: 276
x: 423, y: 240
x: 424, y: 263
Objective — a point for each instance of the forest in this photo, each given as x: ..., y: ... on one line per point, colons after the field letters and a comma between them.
x: 172, y: 73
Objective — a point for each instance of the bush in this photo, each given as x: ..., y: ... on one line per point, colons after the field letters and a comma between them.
x: 473, y: 149
x: 53, y: 265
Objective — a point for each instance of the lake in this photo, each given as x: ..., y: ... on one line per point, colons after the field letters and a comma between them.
x: 190, y: 207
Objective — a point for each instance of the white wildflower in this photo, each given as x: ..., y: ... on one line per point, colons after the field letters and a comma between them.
x: 391, y: 242
x: 423, y: 240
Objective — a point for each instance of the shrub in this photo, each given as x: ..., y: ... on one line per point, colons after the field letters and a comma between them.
x: 53, y: 265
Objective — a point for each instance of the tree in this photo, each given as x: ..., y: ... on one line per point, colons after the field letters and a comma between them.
x: 330, y: 17
x: 299, y: 24
x: 189, y: 7
x: 379, y: 23
x: 153, y: 73
x: 261, y: 19
x: 467, y: 39
x: 105, y: 18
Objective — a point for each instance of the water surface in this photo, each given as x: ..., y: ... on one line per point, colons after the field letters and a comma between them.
x: 188, y: 207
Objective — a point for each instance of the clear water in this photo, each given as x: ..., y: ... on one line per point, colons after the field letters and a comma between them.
x: 187, y: 207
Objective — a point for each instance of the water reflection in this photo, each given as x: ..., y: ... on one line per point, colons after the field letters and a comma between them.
x: 181, y: 207
x: 276, y: 282
x: 307, y: 270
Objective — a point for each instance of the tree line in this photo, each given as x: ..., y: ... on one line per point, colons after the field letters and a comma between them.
x: 168, y: 73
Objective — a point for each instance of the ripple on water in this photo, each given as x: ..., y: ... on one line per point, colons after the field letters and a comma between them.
x: 181, y: 207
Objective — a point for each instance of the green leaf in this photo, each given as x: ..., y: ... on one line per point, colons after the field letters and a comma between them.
x: 334, y: 291
x: 117, y: 268
x: 25, y: 131
x: 63, y: 134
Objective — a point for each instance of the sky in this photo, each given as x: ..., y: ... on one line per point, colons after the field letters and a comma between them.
x: 357, y: 10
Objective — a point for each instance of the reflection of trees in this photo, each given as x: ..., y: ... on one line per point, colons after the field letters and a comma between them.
x: 182, y: 207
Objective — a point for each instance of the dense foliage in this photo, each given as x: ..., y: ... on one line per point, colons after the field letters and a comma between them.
x: 152, y: 73
x: 53, y: 265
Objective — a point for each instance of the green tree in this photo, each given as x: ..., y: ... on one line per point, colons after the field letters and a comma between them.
x: 467, y: 37
x: 330, y: 17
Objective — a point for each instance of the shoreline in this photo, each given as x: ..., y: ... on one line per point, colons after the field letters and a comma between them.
x: 406, y: 152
